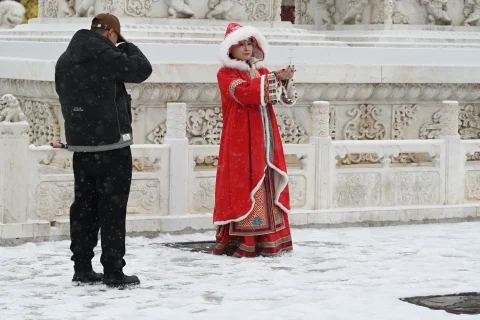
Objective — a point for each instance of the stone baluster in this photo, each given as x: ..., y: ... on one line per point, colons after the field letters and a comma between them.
x: 455, y: 158
x: 177, y: 139
x: 320, y: 137
x: 14, y: 172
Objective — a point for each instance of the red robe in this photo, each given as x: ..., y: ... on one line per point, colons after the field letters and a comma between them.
x: 242, y: 159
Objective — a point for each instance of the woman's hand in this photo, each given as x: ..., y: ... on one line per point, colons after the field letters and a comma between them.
x: 285, y: 74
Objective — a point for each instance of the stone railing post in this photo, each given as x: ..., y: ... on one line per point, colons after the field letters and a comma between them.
x: 177, y: 139
x: 320, y: 137
x: 455, y: 160
x: 14, y: 143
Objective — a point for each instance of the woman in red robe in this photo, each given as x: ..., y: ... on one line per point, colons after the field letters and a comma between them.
x: 251, y: 196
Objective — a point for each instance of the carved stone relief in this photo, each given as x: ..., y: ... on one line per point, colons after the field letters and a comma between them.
x: 364, y: 124
x: 355, y: 11
x: 301, y: 12
x: 11, y: 14
x: 416, y: 188
x: 262, y: 10
x: 204, y: 194
x: 204, y: 127
x: 66, y: 8
x: 138, y: 8
x: 403, y: 116
x: 436, y: 11
x: 86, y: 8
x: 472, y: 185
x: 220, y: 9
x: 44, y: 127
x: 145, y: 197
x: 178, y: 9
x: 471, y: 12
x: 54, y: 199
x: 325, y: 10
x: 357, y: 190
x: 298, y: 189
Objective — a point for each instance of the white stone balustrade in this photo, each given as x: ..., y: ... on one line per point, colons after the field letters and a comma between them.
x: 173, y: 184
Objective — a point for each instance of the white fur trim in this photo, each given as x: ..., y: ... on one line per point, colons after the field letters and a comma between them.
x: 291, y: 92
x: 262, y: 91
x: 234, y: 38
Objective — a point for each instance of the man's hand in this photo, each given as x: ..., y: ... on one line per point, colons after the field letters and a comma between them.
x: 285, y: 74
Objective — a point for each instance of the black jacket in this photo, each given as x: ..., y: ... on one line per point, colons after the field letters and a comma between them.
x: 89, y: 79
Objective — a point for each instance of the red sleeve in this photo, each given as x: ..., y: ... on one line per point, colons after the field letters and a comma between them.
x: 243, y: 91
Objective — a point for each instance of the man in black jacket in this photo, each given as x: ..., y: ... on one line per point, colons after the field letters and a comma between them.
x: 89, y: 79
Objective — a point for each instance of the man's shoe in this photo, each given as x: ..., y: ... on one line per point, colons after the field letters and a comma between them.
x: 87, y: 276
x: 118, y: 279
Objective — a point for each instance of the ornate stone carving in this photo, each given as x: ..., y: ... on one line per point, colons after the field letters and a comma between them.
x: 471, y: 12
x: 220, y: 9
x: 262, y: 10
x: 325, y: 10
x: 416, y: 188
x: 472, y: 185
x: 403, y: 116
x: 158, y: 134
x: 54, y: 199
x: 145, y: 164
x: 179, y: 9
x: 297, y: 186
x: 431, y: 131
x: 204, y: 194
x: 176, y: 118
x: 11, y: 14
x: 209, y: 93
x: 449, y: 118
x: 31, y: 9
x: 138, y: 8
x: 355, y: 12
x: 321, y: 123
x: 208, y: 161
x: 301, y: 12
x: 48, y: 8
x: 290, y: 132
x: 145, y: 196
x: 358, y: 158
x: 384, y: 11
x: 86, y: 8
x: 469, y: 126
x: 357, y: 189
x: 44, y: 127
x: 204, y: 126
x: 110, y: 5
x: 436, y: 11
x: 365, y: 124
x: 10, y: 110
x: 66, y: 8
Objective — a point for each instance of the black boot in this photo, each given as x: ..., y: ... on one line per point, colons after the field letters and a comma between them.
x: 119, y: 279
x: 87, y: 276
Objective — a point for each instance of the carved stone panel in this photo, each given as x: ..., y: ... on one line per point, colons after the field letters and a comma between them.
x: 44, y: 127
x: 358, y: 189
x: 203, y: 194
x: 145, y: 197
x: 298, y: 191
x: 54, y: 199
x: 472, y: 185
x: 416, y: 188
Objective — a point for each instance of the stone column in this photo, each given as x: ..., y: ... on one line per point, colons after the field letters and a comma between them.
x: 14, y: 172
x: 320, y: 137
x: 177, y: 139
x: 455, y: 157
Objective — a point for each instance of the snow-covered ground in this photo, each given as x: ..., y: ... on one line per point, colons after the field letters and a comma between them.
x: 354, y: 273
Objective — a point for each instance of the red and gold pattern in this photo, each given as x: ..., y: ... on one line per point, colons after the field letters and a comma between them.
x: 264, y: 232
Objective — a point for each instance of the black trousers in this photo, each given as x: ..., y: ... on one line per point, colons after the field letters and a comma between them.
x: 102, y: 187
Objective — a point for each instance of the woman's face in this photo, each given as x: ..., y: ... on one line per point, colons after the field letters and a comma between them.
x: 243, y: 51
